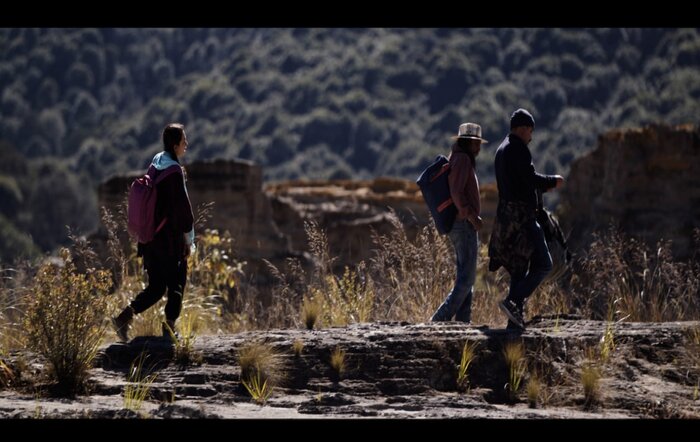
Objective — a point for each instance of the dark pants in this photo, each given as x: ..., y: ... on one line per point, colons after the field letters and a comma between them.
x: 163, y: 272
x: 523, y: 284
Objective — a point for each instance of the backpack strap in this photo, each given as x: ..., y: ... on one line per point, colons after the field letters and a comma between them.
x: 162, y: 174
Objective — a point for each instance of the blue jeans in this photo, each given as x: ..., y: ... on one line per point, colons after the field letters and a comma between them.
x: 459, y: 302
x: 523, y: 284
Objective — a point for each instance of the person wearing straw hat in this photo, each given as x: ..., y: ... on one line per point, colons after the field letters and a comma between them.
x: 517, y: 242
x: 464, y: 191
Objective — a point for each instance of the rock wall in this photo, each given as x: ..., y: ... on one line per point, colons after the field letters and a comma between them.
x: 643, y: 180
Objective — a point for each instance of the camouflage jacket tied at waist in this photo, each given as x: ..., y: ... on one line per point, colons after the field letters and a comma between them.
x: 510, y: 245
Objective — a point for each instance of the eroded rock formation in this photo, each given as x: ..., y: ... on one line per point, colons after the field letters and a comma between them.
x: 643, y: 180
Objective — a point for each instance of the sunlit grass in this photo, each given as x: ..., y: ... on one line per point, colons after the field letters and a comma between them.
x: 468, y: 353
x: 514, y: 355
x: 338, y: 362
x: 533, y: 390
x: 261, y: 368
x: 139, y: 384
x: 258, y: 388
x: 297, y: 347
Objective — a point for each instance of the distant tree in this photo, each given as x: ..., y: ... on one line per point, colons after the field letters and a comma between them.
x: 52, y: 126
x: 11, y: 197
x: 688, y: 53
x: 515, y: 56
x: 48, y: 93
x: 84, y: 109
x: 450, y: 87
x: 327, y: 128
x: 627, y: 58
x: 14, y: 244
x: 571, y: 67
x: 94, y: 58
x: 280, y: 150
x: 80, y: 76
x: 58, y: 200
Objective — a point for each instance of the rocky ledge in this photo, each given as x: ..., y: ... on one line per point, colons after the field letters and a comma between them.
x: 399, y: 370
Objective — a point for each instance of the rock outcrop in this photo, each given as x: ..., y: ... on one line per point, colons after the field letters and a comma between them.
x: 644, y: 181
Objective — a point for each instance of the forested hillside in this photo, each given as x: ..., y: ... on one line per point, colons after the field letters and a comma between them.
x: 79, y: 105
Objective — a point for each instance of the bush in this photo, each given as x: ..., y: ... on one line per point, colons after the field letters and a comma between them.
x: 65, y: 321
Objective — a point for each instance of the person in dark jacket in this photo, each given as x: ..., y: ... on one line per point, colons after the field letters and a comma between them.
x: 165, y: 257
x: 464, y: 191
x: 517, y: 242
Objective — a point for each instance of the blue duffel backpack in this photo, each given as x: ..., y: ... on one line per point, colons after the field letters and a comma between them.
x: 435, y: 188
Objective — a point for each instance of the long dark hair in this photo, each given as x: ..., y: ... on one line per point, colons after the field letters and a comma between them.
x: 463, y: 145
x: 172, y: 135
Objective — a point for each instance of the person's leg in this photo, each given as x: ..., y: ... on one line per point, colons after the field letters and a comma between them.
x: 149, y: 296
x: 464, y: 312
x: 540, y: 265
x: 515, y: 280
x: 157, y: 274
x: 177, y: 278
x: 458, y: 237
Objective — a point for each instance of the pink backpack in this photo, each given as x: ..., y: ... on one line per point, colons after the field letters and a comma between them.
x: 141, y: 209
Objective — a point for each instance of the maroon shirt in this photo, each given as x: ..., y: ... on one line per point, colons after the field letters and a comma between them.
x: 464, y: 185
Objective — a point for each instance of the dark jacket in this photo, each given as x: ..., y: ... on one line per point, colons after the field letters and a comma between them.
x: 515, y: 173
x: 172, y: 203
x: 517, y: 181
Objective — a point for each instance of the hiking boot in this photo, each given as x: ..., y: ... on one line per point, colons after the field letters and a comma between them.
x: 511, y: 310
x: 512, y: 325
x: 122, y: 323
x: 168, y: 328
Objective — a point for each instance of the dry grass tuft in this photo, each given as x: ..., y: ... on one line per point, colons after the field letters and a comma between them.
x: 533, y: 390
x: 338, y: 363
x: 297, y: 347
x: 139, y: 384
x: 468, y: 354
x: 514, y: 355
x: 260, y: 361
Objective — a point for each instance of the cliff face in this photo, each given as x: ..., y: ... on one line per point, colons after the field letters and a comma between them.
x: 644, y: 181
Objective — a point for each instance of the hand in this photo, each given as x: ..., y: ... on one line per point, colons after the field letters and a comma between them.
x: 560, y: 181
x: 558, y: 184
x: 477, y: 222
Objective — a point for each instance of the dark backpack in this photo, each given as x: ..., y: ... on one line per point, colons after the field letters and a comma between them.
x: 435, y: 188
x: 141, y: 208
x: 551, y: 229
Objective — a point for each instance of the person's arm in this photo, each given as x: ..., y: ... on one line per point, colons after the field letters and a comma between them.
x: 459, y: 175
x: 178, y: 205
x: 526, y: 172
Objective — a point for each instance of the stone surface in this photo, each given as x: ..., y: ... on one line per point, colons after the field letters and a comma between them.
x: 398, y: 370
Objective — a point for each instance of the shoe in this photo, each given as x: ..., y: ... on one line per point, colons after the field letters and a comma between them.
x: 168, y: 329
x: 513, y: 312
x: 122, y: 323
